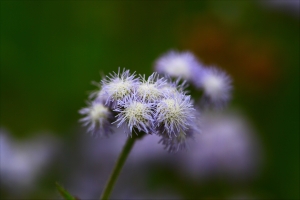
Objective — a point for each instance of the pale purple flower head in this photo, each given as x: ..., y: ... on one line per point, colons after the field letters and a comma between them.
x: 116, y: 86
x: 174, y: 114
x: 176, y: 143
x: 174, y: 87
x: 136, y: 112
x: 178, y: 64
x: 98, y: 118
x: 151, y: 89
x: 216, y: 86
x: 180, y: 141
x: 227, y: 146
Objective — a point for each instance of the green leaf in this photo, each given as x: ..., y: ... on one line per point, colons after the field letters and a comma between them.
x: 64, y: 193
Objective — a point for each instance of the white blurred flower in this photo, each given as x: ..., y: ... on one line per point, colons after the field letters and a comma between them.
x: 216, y: 85
x: 178, y: 64
x: 227, y: 146
x: 22, y: 162
x: 98, y: 118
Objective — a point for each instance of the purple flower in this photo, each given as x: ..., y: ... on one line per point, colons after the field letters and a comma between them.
x: 116, y: 86
x: 178, y: 64
x: 98, y: 119
x: 174, y: 114
x: 174, y: 87
x: 181, y: 140
x: 150, y: 89
x: 176, y: 143
x: 157, y: 104
x: 216, y: 85
x: 227, y: 146
x: 136, y: 113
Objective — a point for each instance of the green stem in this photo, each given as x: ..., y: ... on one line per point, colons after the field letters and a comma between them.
x: 119, y: 164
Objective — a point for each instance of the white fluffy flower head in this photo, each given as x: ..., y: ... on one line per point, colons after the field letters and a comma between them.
x: 150, y: 89
x: 98, y: 111
x: 118, y: 85
x: 97, y: 118
x: 174, y: 113
x: 136, y: 113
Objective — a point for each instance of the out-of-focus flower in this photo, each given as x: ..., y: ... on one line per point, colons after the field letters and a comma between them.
x: 226, y: 146
x: 177, y: 143
x: 98, y: 119
x: 22, y: 162
x: 216, y: 85
x: 178, y: 64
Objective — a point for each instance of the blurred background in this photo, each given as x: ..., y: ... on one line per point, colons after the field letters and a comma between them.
x: 52, y: 50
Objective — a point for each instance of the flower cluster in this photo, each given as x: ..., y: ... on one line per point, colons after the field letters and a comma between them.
x: 156, y: 104
x: 215, y: 84
x: 153, y: 105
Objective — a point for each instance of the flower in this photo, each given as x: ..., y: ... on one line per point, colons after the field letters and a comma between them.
x: 174, y: 144
x: 180, y: 141
x: 24, y: 162
x: 178, y: 64
x: 174, y: 114
x: 116, y: 86
x: 157, y: 104
x: 150, y: 89
x: 216, y: 85
x: 98, y: 118
x: 136, y: 112
x: 227, y: 147
x: 174, y: 87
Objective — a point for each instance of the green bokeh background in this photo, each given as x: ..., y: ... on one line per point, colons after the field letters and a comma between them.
x: 52, y: 50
